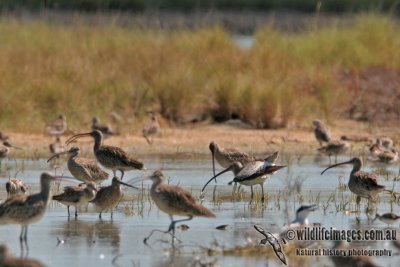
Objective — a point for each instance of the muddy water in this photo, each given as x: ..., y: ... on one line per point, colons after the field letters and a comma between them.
x: 89, y: 241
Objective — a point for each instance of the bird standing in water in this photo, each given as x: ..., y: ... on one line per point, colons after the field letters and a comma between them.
x: 111, y: 157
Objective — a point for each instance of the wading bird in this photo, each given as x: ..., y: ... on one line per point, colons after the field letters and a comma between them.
x: 151, y: 128
x: 77, y: 196
x: 105, y: 129
x: 15, y: 186
x: 335, y: 148
x: 25, y: 210
x: 255, y: 172
x: 110, y: 157
x: 108, y: 197
x: 322, y: 132
x: 388, y: 218
x: 302, y: 213
x: 173, y: 200
x: 363, y: 184
x: 85, y: 170
x: 57, y: 127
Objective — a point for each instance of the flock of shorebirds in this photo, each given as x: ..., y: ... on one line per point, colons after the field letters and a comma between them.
x: 248, y: 170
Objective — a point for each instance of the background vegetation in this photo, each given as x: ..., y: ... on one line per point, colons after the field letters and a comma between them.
x: 141, y: 5
x: 84, y: 70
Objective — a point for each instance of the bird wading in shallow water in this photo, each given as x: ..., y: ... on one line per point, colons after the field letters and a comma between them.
x: 255, y: 172
x: 108, y: 197
x: 85, y: 170
x: 110, y: 157
x: 173, y: 200
x: 362, y: 184
x: 76, y: 196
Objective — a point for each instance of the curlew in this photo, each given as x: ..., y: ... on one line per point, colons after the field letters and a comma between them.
x: 255, y: 172
x: 77, y: 196
x: 322, y: 132
x: 105, y: 129
x: 151, y: 128
x: 85, y: 170
x: 25, y: 210
x: 108, y: 197
x: 7, y: 260
x: 5, y: 150
x: 388, y: 218
x: 15, y: 186
x: 173, y: 200
x: 110, y: 157
x: 363, y: 184
x: 57, y: 127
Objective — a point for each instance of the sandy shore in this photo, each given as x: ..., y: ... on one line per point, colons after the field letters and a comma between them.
x: 194, y: 140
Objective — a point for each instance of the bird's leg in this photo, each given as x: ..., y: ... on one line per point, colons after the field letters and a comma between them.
x: 21, y: 236
x: 114, y: 173
x: 100, y: 215
x: 76, y: 212
x: 68, y: 211
x: 358, y: 200
x: 112, y: 212
x: 122, y: 174
x: 251, y: 198
x: 262, y: 193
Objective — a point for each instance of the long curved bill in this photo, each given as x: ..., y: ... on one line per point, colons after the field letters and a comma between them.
x: 215, y: 176
x: 334, y: 165
x: 76, y: 136
x: 128, y: 185
x: 56, y: 155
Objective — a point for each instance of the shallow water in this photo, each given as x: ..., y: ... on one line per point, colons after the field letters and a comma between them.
x: 89, y: 241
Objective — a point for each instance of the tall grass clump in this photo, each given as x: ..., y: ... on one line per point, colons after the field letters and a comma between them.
x: 84, y: 70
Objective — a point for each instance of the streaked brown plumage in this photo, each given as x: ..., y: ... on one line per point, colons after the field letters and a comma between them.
x: 25, y: 210
x: 110, y: 157
x: 151, y: 128
x: 363, y: 184
x: 7, y: 260
x: 173, y: 200
x: 105, y: 129
x: 108, y: 197
x: 15, y: 186
x: 322, y: 132
x: 57, y: 127
x: 85, y: 170
x: 227, y: 156
x: 76, y: 196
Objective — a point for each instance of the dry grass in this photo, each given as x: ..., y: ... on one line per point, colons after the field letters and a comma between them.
x: 83, y: 70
